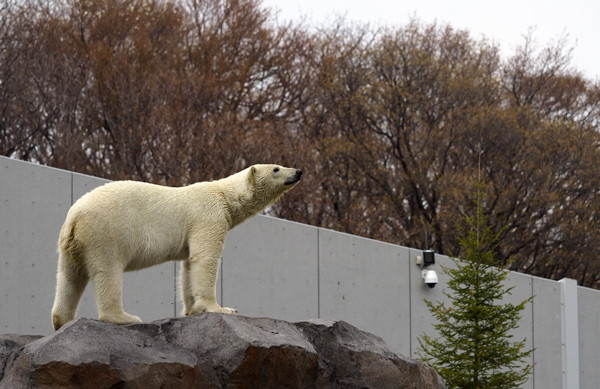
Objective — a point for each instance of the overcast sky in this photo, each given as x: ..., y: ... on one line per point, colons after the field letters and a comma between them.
x: 504, y: 22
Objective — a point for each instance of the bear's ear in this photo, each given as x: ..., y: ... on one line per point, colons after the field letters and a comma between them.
x: 252, y: 175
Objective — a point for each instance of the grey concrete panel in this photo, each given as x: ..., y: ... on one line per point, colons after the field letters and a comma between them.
x: 522, y: 290
x: 589, y: 338
x: 83, y: 183
x: 32, y: 199
x: 546, y: 325
x: 366, y: 283
x: 150, y: 293
x: 269, y: 268
x: 422, y: 320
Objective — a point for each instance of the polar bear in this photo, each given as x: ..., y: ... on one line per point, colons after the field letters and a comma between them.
x: 127, y: 225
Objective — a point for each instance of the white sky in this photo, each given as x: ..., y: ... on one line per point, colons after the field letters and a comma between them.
x: 502, y: 21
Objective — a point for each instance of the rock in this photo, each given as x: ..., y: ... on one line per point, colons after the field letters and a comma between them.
x: 10, y: 343
x: 208, y: 351
x: 355, y: 359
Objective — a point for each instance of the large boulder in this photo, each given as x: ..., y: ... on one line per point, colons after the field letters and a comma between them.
x: 208, y: 351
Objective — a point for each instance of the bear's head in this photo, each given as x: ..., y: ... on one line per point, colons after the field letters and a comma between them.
x: 271, y: 181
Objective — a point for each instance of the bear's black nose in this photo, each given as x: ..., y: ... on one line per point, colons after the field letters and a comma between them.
x: 295, y: 178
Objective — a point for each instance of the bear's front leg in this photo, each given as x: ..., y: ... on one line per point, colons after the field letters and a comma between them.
x: 199, y: 278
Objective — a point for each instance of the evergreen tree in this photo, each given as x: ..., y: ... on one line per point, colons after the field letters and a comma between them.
x: 475, y: 348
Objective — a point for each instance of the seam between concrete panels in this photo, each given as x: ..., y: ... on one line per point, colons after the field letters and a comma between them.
x: 174, y: 289
x: 319, y: 273
x: 72, y: 188
x: 410, y: 320
x: 533, y: 332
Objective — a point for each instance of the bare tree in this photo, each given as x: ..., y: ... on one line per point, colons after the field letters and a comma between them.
x: 392, y: 126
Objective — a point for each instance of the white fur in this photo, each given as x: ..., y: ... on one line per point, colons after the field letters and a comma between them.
x: 128, y: 225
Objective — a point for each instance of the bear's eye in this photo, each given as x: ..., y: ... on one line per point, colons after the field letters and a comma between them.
x: 275, y: 170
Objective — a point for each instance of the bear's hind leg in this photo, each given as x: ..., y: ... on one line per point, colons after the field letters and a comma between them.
x: 108, y: 286
x: 70, y: 284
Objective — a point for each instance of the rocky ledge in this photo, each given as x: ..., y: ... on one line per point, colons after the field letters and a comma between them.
x: 208, y: 351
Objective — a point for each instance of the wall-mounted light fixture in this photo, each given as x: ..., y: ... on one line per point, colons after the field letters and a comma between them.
x: 430, y: 277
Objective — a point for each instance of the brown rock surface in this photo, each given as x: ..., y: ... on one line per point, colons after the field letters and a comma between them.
x: 208, y: 351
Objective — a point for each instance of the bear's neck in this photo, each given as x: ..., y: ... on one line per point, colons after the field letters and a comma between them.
x: 241, y: 203
x: 241, y: 207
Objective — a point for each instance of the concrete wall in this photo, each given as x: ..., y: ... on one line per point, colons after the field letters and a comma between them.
x: 589, y: 337
x: 274, y: 268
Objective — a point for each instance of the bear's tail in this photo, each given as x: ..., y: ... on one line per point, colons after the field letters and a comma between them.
x: 69, y: 248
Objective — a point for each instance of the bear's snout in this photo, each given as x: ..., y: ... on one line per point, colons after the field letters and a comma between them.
x: 294, y: 178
